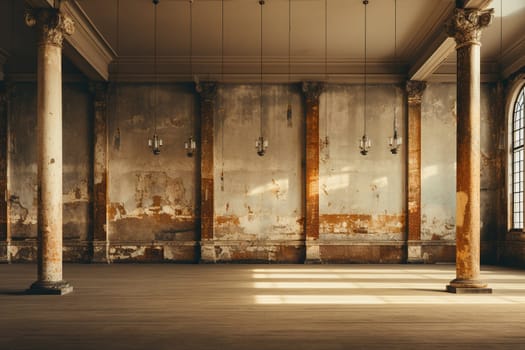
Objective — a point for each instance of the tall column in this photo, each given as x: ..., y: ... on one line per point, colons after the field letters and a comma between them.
x: 465, y: 27
x: 4, y: 208
x: 312, y: 91
x: 100, y: 173
x: 208, y: 92
x: 415, y: 91
x: 51, y: 25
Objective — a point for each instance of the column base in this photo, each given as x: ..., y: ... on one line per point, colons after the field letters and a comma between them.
x: 100, y: 252
x: 414, y: 255
x: 313, y: 254
x: 468, y: 287
x: 208, y: 253
x: 50, y: 288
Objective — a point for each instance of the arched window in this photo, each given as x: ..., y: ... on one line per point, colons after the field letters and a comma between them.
x: 518, y: 125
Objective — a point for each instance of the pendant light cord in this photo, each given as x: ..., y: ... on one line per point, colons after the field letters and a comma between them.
x: 395, y: 60
x: 221, y: 110
x: 155, y: 67
x: 365, y: 2
x: 326, y: 66
x: 289, y: 48
x: 261, y: 75
x: 191, y: 63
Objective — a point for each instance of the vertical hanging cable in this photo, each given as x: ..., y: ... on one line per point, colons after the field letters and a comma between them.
x: 326, y: 140
x: 261, y: 72
x: 501, y: 37
x: 221, y: 110
x: 155, y: 143
x: 364, y: 142
x: 116, y: 139
x: 289, y: 109
x: 190, y: 145
x: 395, y: 142
x: 261, y: 144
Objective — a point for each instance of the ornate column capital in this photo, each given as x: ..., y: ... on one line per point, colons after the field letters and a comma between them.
x: 207, y: 91
x: 466, y: 24
x: 99, y: 91
x: 51, y: 25
x: 415, y: 89
x: 313, y: 89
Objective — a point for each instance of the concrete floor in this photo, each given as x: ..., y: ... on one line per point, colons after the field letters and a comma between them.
x: 262, y: 307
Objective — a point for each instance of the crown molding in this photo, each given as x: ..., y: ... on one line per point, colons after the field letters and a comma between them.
x: 86, y: 47
x: 247, y: 69
x: 513, y: 58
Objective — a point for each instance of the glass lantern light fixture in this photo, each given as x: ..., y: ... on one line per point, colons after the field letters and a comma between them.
x: 394, y: 142
x: 155, y: 142
x: 364, y: 142
x: 261, y: 144
x: 190, y: 146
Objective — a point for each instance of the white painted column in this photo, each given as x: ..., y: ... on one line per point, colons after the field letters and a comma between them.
x: 51, y: 26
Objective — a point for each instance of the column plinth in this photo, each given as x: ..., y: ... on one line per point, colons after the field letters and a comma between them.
x: 51, y: 26
x: 312, y: 91
x: 465, y: 27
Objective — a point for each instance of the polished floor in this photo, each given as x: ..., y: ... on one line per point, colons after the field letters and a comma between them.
x: 262, y: 307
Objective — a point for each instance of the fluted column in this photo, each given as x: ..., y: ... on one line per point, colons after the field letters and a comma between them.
x: 465, y: 26
x: 4, y: 213
x: 312, y: 91
x: 51, y: 26
x: 208, y: 92
x: 100, y: 173
x: 415, y: 91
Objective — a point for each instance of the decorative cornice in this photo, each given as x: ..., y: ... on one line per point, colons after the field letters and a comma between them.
x: 51, y: 25
x: 313, y: 89
x: 207, y: 91
x: 466, y: 24
x: 415, y: 89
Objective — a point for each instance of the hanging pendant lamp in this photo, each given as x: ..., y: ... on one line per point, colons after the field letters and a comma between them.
x: 261, y: 144
x: 155, y: 143
x: 365, y: 143
x: 394, y: 142
x: 191, y: 145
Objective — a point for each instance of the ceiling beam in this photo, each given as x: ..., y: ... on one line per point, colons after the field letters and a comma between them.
x: 86, y: 47
x: 439, y: 45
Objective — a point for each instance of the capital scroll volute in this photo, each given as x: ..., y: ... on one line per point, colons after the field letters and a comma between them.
x: 51, y: 25
x: 466, y: 25
x: 312, y: 90
x: 415, y: 89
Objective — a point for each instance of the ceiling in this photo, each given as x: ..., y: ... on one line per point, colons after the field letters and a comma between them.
x: 397, y: 32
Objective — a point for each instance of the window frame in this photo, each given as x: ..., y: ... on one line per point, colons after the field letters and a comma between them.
x: 517, y: 161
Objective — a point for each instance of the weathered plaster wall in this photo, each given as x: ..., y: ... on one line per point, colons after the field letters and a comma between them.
x: 362, y: 198
x: 152, y: 214
x: 23, y: 166
x: 438, y: 162
x: 258, y: 206
x: 438, y: 158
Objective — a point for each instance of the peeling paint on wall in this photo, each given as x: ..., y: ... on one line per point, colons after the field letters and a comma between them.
x: 261, y: 200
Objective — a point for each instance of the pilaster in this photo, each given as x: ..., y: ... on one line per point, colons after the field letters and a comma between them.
x: 312, y: 91
x: 100, y: 173
x: 4, y: 195
x: 415, y: 91
x: 208, y: 92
